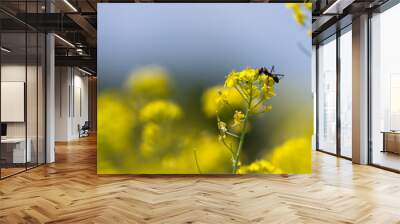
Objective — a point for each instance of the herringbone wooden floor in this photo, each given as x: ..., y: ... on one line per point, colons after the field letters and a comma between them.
x: 69, y: 191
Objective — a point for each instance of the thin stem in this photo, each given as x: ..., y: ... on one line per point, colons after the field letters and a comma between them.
x: 232, y: 134
x: 239, y: 149
x: 243, y: 133
x: 197, y: 162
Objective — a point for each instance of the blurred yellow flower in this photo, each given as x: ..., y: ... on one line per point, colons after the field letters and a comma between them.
x: 149, y: 82
x: 299, y: 15
x: 151, y: 131
x: 308, y: 5
x: 212, y: 158
x: 115, y: 122
x: 293, y: 156
x: 259, y: 166
x: 112, y: 108
x: 218, y: 98
x: 160, y: 110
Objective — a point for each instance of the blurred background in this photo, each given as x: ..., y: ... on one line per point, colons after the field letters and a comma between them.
x: 159, y: 71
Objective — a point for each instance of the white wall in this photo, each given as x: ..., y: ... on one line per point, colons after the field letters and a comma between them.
x: 71, y: 102
x: 62, y: 83
x: 12, y: 73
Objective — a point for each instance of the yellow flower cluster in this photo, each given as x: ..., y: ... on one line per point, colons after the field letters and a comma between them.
x: 254, y: 87
x: 160, y: 110
x: 247, y: 75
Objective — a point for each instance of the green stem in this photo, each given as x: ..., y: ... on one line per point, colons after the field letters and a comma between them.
x: 232, y: 134
x: 243, y: 133
x: 197, y: 162
x: 239, y: 149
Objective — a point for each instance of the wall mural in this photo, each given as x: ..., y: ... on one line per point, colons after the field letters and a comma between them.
x: 204, y: 89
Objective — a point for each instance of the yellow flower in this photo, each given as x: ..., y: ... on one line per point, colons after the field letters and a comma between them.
x: 222, y: 126
x: 110, y: 105
x: 259, y: 166
x: 149, y: 82
x: 299, y: 15
x: 238, y: 118
x: 255, y: 92
x: 222, y: 99
x: 268, y: 92
x: 293, y: 156
x: 160, y: 110
x: 114, y: 133
x: 211, y: 156
x: 248, y: 75
x: 268, y: 108
x: 250, y: 85
x: 307, y: 5
x: 222, y: 129
x: 231, y: 79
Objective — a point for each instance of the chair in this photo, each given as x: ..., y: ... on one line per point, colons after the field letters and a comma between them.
x: 84, y: 130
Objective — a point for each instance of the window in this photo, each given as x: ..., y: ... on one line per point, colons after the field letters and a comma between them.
x: 385, y: 89
x: 22, y: 88
x: 327, y: 96
x: 346, y: 93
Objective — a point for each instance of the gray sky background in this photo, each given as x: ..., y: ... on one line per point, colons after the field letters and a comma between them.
x: 201, y: 41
